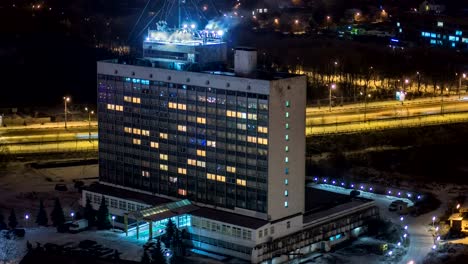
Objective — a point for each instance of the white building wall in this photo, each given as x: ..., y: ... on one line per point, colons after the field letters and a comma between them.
x: 281, y: 91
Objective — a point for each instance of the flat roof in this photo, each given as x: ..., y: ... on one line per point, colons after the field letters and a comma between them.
x: 127, y: 194
x: 258, y: 75
x: 320, y: 203
x: 230, y: 218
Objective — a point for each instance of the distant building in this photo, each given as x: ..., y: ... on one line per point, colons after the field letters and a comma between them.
x: 446, y: 34
x: 429, y: 6
x: 221, y: 153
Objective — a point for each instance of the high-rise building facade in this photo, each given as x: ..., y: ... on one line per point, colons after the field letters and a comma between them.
x: 215, y: 138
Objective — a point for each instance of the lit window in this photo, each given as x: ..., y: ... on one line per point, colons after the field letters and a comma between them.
x: 286, y: 181
x: 230, y: 113
x: 262, y: 141
x: 136, y: 141
x: 136, y: 100
x: 242, y: 126
x: 145, y: 133
x: 241, y: 115
x: 127, y: 98
x: 163, y: 167
x: 128, y: 129
x: 286, y: 159
x: 182, y: 128
x: 220, y: 178
x: 287, y: 114
x: 201, y: 163
x: 145, y: 174
x: 287, y: 126
x: 241, y: 182
x: 163, y: 156
x: 231, y: 169
x: 262, y: 129
x: 110, y: 106
x: 136, y: 131
x: 172, y: 105
x: 440, y: 24
x: 201, y: 153
x: 286, y: 137
x: 119, y: 108
x: 252, y: 116
x: 252, y: 139
x: 154, y: 144
x: 288, y: 103
x: 211, y: 143
x: 285, y: 192
x: 211, y: 176
x: 201, y: 120
x: 286, y: 204
x: 173, y: 179
x: 182, y: 192
x: 163, y: 135
x: 182, y: 106
x: 286, y: 148
x: 192, y: 162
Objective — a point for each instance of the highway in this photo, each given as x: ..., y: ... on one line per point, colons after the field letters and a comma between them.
x: 391, y: 110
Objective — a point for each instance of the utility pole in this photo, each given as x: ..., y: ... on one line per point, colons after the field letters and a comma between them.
x: 66, y: 99
x: 179, y: 7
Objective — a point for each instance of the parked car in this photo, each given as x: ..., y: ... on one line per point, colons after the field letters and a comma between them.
x: 61, y: 187
x: 78, y: 225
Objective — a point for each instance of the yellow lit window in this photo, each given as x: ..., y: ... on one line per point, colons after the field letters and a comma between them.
x: 231, y: 169
x: 128, y: 129
x: 182, y: 192
x: 241, y: 182
x: 251, y: 139
x: 262, y: 129
x: 154, y: 144
x: 182, y: 170
x: 136, y: 131
x: 182, y: 128
x: 220, y: 178
x: 136, y: 100
x: 127, y: 98
x: 145, y: 174
x: 201, y: 163
x: 182, y: 106
x: 201, y: 153
x: 163, y: 167
x: 262, y: 141
x: 201, y: 120
x: 192, y: 162
x: 119, y: 108
x: 230, y: 113
x: 145, y: 132
x: 110, y: 106
x: 172, y: 105
x: 210, y: 143
x: 163, y: 156
x: 163, y: 135
x: 136, y: 141
x: 253, y: 116
x: 211, y: 176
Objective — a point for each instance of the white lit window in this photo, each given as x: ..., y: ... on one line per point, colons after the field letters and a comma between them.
x: 286, y: 181
x: 163, y: 135
x: 182, y: 170
x: 145, y: 174
x: 163, y: 167
x: 211, y: 143
x: 286, y: 137
x: 154, y: 144
x: 286, y: 159
x: 242, y: 126
x: 288, y: 103
x: 173, y: 179
x: 287, y: 114
x: 286, y: 148
x: 145, y: 133
x: 286, y: 204
x: 287, y: 126
x: 285, y: 192
x: 182, y: 128
x: 163, y: 156
x: 241, y: 115
x: 201, y: 163
x: 252, y: 116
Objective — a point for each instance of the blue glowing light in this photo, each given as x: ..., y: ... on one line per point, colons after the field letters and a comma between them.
x: 394, y: 40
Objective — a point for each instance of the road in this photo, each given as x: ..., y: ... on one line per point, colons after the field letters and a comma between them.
x: 384, y: 110
x: 421, y: 240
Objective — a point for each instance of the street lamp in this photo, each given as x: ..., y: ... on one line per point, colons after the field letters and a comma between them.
x: 90, y: 112
x: 463, y: 75
x: 26, y: 217
x: 66, y: 99
x: 72, y: 214
x: 113, y: 223
x: 433, y: 221
x: 332, y: 86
